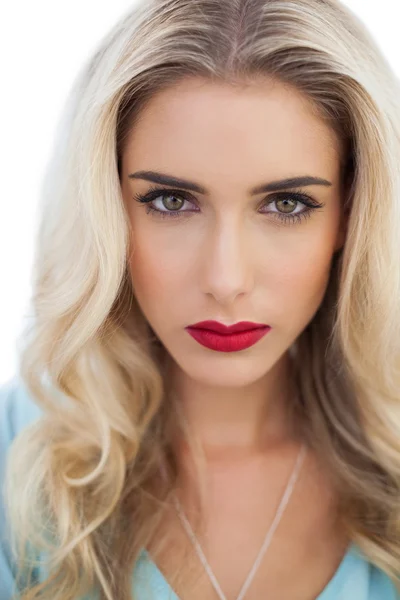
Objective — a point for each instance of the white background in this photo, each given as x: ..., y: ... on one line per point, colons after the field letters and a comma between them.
x: 42, y: 46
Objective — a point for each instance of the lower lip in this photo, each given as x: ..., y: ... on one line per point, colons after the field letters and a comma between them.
x: 227, y: 343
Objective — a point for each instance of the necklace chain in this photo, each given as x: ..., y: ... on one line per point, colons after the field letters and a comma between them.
x: 282, y: 505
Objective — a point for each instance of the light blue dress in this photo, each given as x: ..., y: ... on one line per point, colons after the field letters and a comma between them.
x: 355, y: 578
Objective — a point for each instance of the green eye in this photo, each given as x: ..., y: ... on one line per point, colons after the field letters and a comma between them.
x: 172, y: 202
x: 289, y: 206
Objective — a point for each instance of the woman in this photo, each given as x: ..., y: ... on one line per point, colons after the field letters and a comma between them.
x: 208, y: 401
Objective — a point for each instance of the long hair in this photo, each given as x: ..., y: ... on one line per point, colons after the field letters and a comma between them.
x: 82, y: 485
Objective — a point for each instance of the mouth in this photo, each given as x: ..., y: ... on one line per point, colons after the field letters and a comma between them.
x: 223, y: 338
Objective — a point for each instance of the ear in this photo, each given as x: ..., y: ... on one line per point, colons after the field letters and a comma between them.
x: 345, y: 211
x: 342, y: 230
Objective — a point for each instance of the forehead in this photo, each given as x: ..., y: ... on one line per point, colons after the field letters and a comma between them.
x: 262, y: 126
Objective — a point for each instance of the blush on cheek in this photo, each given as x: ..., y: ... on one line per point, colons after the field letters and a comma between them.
x: 151, y: 283
x: 311, y: 289
x: 299, y: 288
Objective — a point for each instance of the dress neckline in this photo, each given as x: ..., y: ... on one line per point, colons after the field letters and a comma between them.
x: 351, y: 557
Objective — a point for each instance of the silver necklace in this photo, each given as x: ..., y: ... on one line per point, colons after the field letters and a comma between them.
x: 282, y: 505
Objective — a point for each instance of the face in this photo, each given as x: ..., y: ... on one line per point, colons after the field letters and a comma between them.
x: 215, y: 247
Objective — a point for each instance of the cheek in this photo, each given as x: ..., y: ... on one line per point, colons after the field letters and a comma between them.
x: 311, y: 279
x: 157, y: 269
x: 301, y: 280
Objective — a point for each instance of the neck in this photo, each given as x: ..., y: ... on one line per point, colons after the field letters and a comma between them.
x: 237, y: 421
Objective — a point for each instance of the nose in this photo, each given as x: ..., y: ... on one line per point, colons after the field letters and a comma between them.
x: 227, y: 262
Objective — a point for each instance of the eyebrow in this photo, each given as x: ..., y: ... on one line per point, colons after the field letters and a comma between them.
x: 272, y: 186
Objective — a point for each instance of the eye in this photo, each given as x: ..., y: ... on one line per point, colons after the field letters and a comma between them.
x: 171, y: 204
x: 166, y: 202
x: 287, y: 204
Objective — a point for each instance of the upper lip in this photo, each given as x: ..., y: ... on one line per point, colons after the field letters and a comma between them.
x: 226, y: 329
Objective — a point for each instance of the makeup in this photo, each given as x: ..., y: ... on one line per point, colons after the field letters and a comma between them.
x: 223, y: 338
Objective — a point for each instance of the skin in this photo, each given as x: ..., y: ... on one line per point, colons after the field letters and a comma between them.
x: 228, y: 257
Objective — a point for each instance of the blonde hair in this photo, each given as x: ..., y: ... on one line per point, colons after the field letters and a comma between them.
x: 82, y: 481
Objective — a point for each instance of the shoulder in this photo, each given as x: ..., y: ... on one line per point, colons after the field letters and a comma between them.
x: 378, y: 585
x: 381, y: 586
x: 17, y: 410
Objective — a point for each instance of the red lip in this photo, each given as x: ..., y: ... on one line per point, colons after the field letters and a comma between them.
x: 227, y: 329
x: 222, y: 338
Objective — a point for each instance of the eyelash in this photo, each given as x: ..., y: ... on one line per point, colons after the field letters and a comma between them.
x: 295, y: 195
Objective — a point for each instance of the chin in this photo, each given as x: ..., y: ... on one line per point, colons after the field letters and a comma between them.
x: 232, y: 369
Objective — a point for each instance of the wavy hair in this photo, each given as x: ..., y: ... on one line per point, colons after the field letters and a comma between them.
x: 82, y: 482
